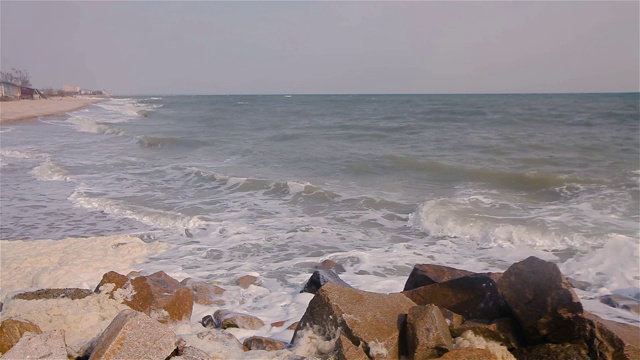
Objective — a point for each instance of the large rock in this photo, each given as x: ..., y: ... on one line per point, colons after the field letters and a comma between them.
x: 472, y: 296
x: 49, y: 345
x: 45, y: 294
x: 205, y: 293
x: 222, y: 338
x: 543, y: 302
x: 504, y: 331
x: 321, y: 277
x: 612, y: 340
x: 553, y: 352
x: 157, y: 295
x: 263, y: 343
x: 134, y: 335
x: 427, y: 274
x: 368, y: 320
x: 345, y: 350
x: 469, y: 354
x: 228, y: 319
x: 11, y: 331
x: 428, y: 334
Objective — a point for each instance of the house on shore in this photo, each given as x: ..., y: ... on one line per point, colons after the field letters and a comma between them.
x: 29, y: 93
x: 9, y: 91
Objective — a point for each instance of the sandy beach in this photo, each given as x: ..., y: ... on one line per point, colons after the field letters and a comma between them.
x: 24, y: 110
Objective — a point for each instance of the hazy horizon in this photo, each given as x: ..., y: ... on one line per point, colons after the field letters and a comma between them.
x: 315, y: 48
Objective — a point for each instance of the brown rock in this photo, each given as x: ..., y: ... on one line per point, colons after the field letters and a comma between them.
x: 428, y: 334
x: 504, y: 331
x: 192, y: 353
x: 11, y: 330
x: 112, y: 277
x: 43, y: 294
x: 346, y: 350
x: 278, y: 323
x: 321, y: 277
x: 263, y: 343
x: 472, y: 296
x: 469, y: 354
x: 293, y: 326
x: 453, y: 319
x: 49, y: 345
x: 368, y: 320
x: 228, y: 319
x: 330, y: 265
x: 246, y: 281
x: 204, y: 293
x: 427, y: 274
x: 613, y: 340
x: 134, y: 335
x: 552, y: 352
x: 222, y: 337
x: 543, y: 302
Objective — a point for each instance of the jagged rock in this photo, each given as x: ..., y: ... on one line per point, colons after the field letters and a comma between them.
x: 346, y: 350
x: 43, y: 294
x: 453, y: 319
x: 427, y: 274
x: 469, y: 354
x: 472, y: 296
x: 226, y: 339
x: 504, y: 331
x: 209, y: 322
x: 134, y: 335
x: 550, y: 351
x: 293, y: 326
x: 157, y: 295
x: 192, y: 353
x: 246, y: 281
x: 320, y: 278
x: 621, y: 302
x: 331, y: 265
x: 428, y: 334
x: 613, y: 340
x: 228, y: 319
x: 112, y: 277
x: 368, y: 320
x: 204, y: 293
x: 49, y: 345
x: 543, y: 302
x: 263, y: 343
x: 11, y: 331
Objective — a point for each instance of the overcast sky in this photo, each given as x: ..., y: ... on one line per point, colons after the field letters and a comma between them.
x: 325, y: 47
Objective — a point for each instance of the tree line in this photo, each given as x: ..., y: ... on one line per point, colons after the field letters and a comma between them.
x: 16, y: 76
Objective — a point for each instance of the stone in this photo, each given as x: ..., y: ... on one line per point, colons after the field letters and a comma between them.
x: 263, y: 343
x: 193, y: 353
x: 226, y: 339
x: 368, y: 320
x: 543, y: 302
x: 612, y: 340
x: 469, y: 354
x: 246, y: 281
x: 428, y: 334
x: 504, y: 331
x: 11, y: 331
x: 550, y: 351
x: 112, y: 277
x: 227, y: 319
x: 48, y: 345
x: 205, y: 294
x: 621, y: 302
x: 330, y: 265
x: 209, y: 322
x: 345, y: 350
x: 453, y: 319
x: 43, y: 294
x: 472, y: 296
x: 320, y: 278
x: 134, y: 335
x: 427, y: 274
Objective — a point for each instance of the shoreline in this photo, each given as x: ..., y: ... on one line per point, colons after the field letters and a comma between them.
x: 30, y: 110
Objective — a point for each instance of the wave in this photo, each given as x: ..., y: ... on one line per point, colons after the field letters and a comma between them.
x: 50, y: 171
x: 157, y: 141
x: 16, y: 154
x: 87, y: 125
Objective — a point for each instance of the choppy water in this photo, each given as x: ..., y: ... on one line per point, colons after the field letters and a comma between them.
x: 273, y: 184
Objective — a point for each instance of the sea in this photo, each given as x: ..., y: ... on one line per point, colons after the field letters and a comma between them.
x: 271, y: 185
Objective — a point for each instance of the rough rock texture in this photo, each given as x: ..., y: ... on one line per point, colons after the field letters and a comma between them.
x: 469, y: 354
x: 472, y: 296
x: 11, y: 331
x: 321, y: 277
x: 543, y: 302
x: 369, y: 320
x: 613, y: 340
x: 192, y: 353
x: 452, y: 318
x: 331, y: 265
x: 43, y: 294
x: 134, y: 335
x: 263, y: 343
x: 246, y: 280
x: 112, y: 277
x: 504, y: 331
x: 427, y: 274
x: 221, y: 337
x: 228, y: 319
x: 345, y: 350
x: 49, y: 345
x: 205, y: 294
x: 552, y: 352
x: 428, y: 334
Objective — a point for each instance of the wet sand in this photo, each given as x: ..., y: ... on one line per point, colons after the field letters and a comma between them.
x: 26, y: 110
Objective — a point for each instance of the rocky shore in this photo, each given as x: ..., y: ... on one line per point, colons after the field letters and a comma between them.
x: 528, y: 312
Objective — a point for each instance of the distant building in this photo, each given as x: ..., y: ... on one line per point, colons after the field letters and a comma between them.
x: 10, y: 91
x: 29, y: 93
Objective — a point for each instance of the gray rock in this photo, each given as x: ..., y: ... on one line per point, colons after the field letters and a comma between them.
x: 322, y: 277
x: 229, y: 319
x: 427, y: 274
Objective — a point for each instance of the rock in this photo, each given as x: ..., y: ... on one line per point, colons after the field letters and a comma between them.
x: 43, y: 294
x: 550, y: 351
x: 278, y: 323
x: 321, y: 277
x: 543, y: 302
x: 469, y: 354
x: 209, y: 322
x: 293, y: 326
x: 577, y: 284
x: 246, y: 281
x: 225, y: 339
x: 192, y: 353
x: 112, y: 277
x: 205, y: 294
x: 612, y: 340
x: 621, y: 302
x: 157, y: 295
x: 330, y: 265
x: 346, y: 350
x: 263, y: 343
x: 504, y: 331
x: 49, y: 345
x: 427, y: 274
x: 11, y: 331
x: 472, y: 296
x: 453, y: 319
x: 428, y: 334
x: 134, y: 335
x: 368, y: 320
x: 228, y: 319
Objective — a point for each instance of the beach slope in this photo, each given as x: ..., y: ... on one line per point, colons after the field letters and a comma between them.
x: 24, y: 110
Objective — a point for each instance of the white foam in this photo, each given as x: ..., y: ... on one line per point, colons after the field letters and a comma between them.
x: 16, y: 154
x: 87, y: 125
x: 50, y: 171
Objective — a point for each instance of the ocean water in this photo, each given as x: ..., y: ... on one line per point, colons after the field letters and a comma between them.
x: 271, y: 185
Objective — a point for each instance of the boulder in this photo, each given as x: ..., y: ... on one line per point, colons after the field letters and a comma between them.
x: 228, y: 319
x: 621, y: 302
x: 472, y: 296
x: 134, y: 335
x: 543, y: 302
x: 49, y: 345
x: 263, y: 343
x: 368, y: 320
x: 320, y: 278
x: 246, y: 281
x: 469, y: 354
x: 550, y: 351
x: 330, y: 265
x: 205, y: 293
x: 112, y: 277
x: 428, y: 334
x: 453, y: 319
x: 11, y: 331
x: 345, y: 350
x: 504, y: 331
x: 44, y: 294
x: 612, y: 340
x: 223, y: 338
x: 193, y: 353
x: 427, y: 274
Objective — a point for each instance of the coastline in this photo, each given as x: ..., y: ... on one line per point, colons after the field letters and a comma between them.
x: 28, y: 110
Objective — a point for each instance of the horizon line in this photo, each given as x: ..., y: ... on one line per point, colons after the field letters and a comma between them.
x: 382, y: 94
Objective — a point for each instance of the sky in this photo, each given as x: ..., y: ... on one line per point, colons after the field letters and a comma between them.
x: 316, y: 47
